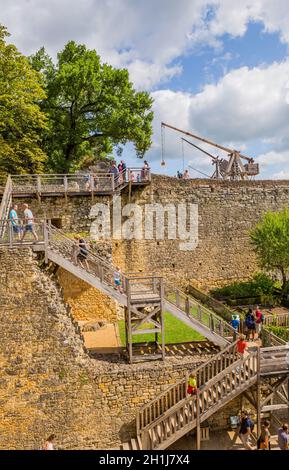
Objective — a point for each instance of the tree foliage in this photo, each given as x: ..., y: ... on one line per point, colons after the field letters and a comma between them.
x: 21, y: 120
x: 270, y: 239
x: 91, y: 108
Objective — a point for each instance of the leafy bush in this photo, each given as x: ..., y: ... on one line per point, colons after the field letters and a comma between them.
x: 260, y: 285
x: 280, y: 331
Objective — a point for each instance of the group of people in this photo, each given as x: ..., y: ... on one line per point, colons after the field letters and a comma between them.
x: 263, y: 442
x: 247, y: 425
x: 20, y: 227
x: 252, y: 323
x: 120, y: 176
x: 183, y: 176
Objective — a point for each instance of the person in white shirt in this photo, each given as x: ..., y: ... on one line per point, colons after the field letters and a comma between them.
x: 28, y: 220
x: 49, y: 444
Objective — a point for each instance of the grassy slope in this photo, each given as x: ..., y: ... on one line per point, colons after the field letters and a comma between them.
x: 175, y: 332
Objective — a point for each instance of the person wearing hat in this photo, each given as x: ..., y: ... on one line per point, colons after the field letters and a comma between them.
x: 246, y: 429
x: 235, y: 322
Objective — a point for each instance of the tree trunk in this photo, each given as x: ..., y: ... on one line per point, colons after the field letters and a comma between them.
x: 284, y: 278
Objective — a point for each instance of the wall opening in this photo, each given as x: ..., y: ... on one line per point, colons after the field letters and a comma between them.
x: 57, y: 222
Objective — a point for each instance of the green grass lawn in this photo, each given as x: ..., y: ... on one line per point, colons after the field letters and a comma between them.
x: 175, y: 332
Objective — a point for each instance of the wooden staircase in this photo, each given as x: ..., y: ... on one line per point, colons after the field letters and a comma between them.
x: 173, y: 413
x: 140, y: 288
x: 190, y: 412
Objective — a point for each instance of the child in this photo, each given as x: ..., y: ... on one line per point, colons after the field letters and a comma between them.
x: 235, y: 322
x: 241, y: 346
x: 117, y: 279
x: 192, y: 385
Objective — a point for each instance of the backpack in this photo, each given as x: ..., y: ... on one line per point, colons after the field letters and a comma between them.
x: 262, y: 318
x: 243, y: 428
x: 249, y: 321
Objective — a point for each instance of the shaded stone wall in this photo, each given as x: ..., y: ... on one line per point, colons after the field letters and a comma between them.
x: 49, y: 384
x: 87, y: 303
x: 227, y: 211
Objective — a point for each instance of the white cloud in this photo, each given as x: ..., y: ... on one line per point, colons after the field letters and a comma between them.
x: 268, y: 158
x: 146, y: 36
x: 246, y: 106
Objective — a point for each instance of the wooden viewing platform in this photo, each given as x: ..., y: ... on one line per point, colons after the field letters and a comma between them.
x: 89, y: 184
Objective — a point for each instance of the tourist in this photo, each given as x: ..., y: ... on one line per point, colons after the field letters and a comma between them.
x: 13, y: 217
x: 29, y: 223
x: 186, y: 175
x: 241, y: 346
x: 120, y: 169
x: 246, y: 429
x: 250, y: 325
x: 192, y: 385
x: 83, y: 253
x: 49, y: 443
x: 123, y: 164
x: 117, y: 279
x: 87, y: 180
x: 283, y: 437
x: 259, y: 318
x: 235, y: 322
x: 144, y: 171
x: 179, y: 175
x: 114, y: 171
x: 263, y: 442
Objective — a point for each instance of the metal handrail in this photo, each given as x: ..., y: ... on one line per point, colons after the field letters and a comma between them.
x: 173, y: 290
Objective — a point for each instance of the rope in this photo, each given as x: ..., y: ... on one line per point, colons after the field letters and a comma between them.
x: 163, y: 142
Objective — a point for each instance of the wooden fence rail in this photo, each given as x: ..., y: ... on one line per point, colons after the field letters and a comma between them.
x: 177, y: 392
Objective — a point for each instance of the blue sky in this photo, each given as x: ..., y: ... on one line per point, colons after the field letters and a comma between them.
x: 217, y: 68
x: 206, y: 65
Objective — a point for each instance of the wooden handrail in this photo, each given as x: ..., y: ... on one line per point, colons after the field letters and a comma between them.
x: 5, y: 205
x: 270, y: 339
x: 277, y: 320
x: 215, y: 322
x: 203, y: 373
x: 183, y: 416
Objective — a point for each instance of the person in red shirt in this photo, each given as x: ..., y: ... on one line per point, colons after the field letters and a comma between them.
x: 241, y: 345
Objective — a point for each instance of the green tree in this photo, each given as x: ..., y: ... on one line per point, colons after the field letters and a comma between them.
x: 21, y: 120
x: 270, y: 239
x: 91, y: 108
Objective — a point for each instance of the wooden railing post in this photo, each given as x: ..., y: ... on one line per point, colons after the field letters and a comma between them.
x: 177, y: 298
x: 91, y: 182
x: 145, y: 440
x: 211, y: 322
x: 258, y: 392
x: 188, y: 306
x: 46, y: 240
x: 198, y: 443
x: 38, y: 184
x: 10, y: 234
x: 65, y: 183
x: 199, y: 313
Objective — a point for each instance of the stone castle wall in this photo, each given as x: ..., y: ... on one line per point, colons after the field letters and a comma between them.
x: 48, y: 383
x: 227, y: 211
